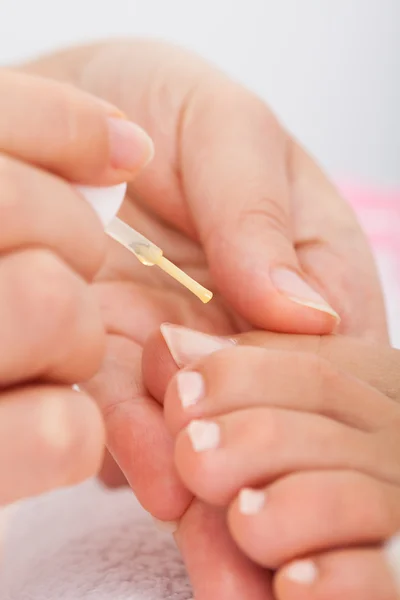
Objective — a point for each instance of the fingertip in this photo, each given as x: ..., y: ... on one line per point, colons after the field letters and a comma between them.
x: 277, y: 299
x: 131, y: 148
x: 265, y: 307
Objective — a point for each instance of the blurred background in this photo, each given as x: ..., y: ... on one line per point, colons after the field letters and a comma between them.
x: 330, y: 69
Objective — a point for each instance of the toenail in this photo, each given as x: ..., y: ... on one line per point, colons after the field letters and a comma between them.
x: 301, y: 571
x: 204, y: 435
x: 191, y: 388
x: 251, y: 501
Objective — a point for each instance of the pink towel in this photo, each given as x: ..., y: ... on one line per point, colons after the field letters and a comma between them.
x: 379, y: 214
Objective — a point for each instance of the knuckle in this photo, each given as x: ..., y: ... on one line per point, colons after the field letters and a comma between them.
x: 265, y: 212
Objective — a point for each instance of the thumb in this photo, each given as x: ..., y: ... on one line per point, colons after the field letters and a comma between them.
x: 68, y: 132
x: 240, y: 199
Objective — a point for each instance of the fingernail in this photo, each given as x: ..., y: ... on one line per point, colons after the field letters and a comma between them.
x: 191, y: 388
x: 130, y: 146
x: 204, y: 435
x: 392, y: 554
x: 302, y: 571
x: 187, y: 346
x: 166, y: 526
x: 296, y: 289
x: 251, y: 501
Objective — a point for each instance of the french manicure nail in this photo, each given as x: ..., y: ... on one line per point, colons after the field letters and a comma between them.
x: 187, y: 345
x: 191, y: 388
x: 392, y: 555
x: 204, y: 435
x: 130, y: 146
x: 165, y: 526
x: 302, y: 571
x: 296, y: 289
x: 251, y: 501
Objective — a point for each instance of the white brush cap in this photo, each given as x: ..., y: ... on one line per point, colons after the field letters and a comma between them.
x: 106, y: 201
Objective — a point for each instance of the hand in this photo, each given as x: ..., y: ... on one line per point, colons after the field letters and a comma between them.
x: 303, y: 456
x: 51, y: 246
x: 238, y: 204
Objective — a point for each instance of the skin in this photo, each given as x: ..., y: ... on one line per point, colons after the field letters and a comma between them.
x: 221, y: 157
x: 51, y: 247
x: 314, y: 425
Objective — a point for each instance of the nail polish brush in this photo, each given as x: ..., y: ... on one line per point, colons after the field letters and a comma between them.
x: 107, y: 202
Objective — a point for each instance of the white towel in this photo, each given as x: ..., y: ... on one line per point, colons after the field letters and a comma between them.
x: 88, y: 544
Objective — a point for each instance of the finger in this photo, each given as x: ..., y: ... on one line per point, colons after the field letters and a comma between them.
x: 136, y: 434
x: 354, y: 574
x: 305, y: 513
x: 245, y: 377
x: 377, y: 365
x: 39, y: 209
x: 216, y: 458
x: 332, y: 248
x: 51, y: 323
x: 207, y: 547
x: 110, y: 474
x: 50, y: 437
x: 81, y: 137
x: 252, y: 257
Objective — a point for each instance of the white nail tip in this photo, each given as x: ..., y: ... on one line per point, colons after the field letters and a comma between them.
x: 166, y: 526
x: 187, y: 345
x: 204, y: 435
x: 321, y: 306
x: 392, y: 554
x: 191, y: 388
x: 251, y: 502
x: 302, y: 571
